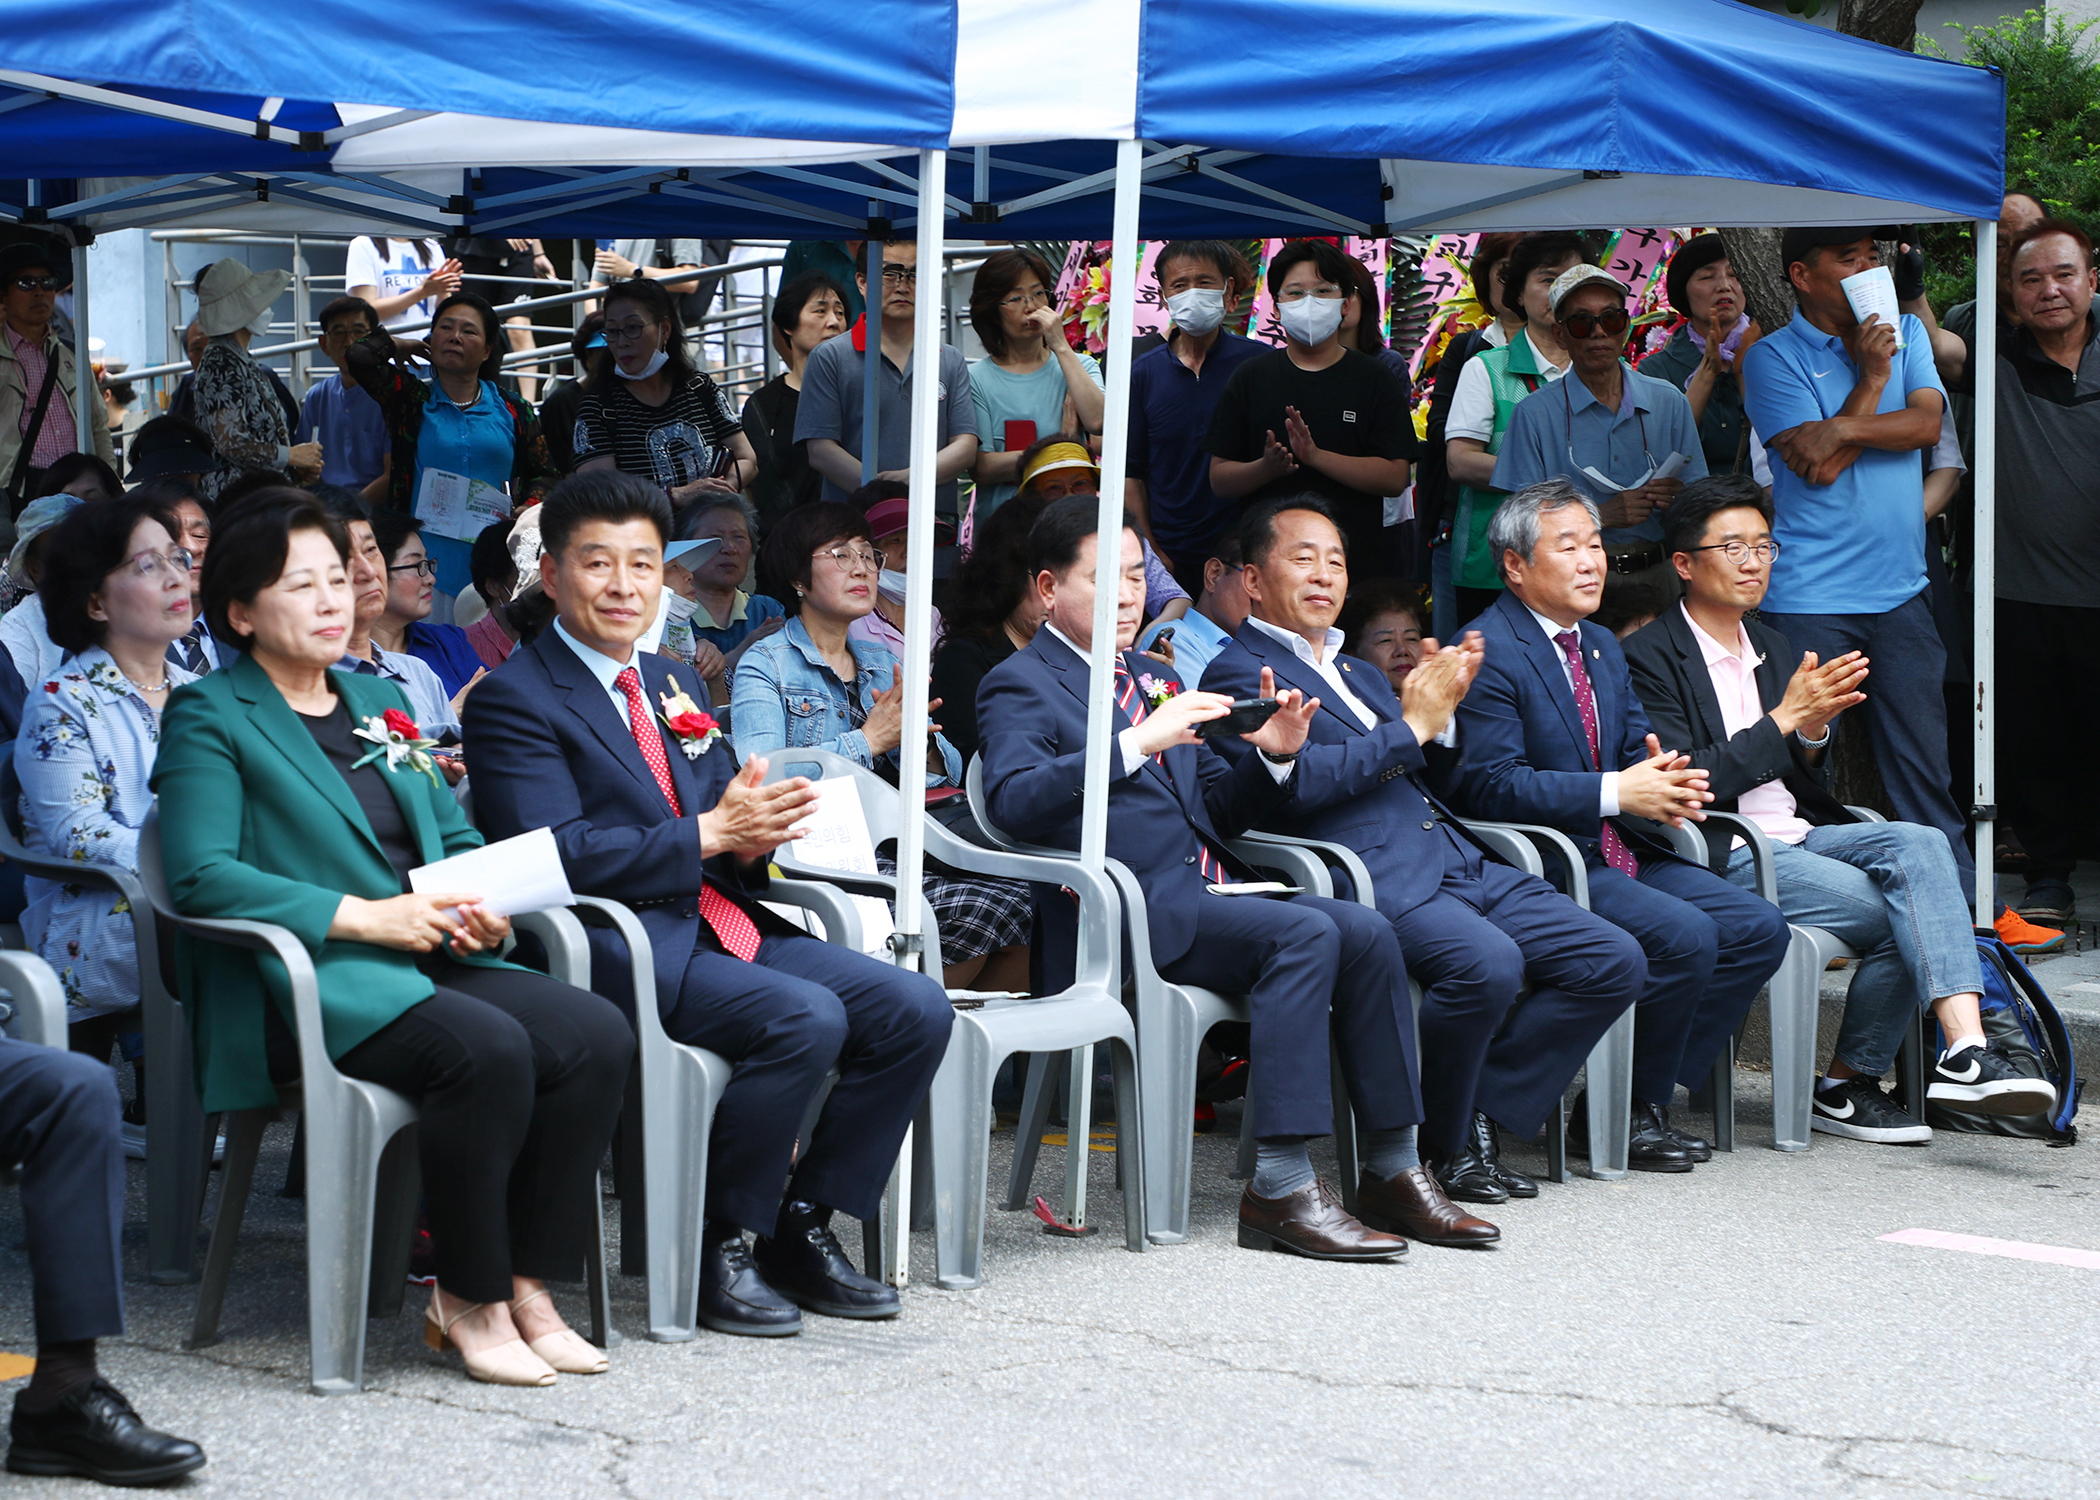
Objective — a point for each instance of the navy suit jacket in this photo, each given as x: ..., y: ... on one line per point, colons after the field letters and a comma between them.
x: 1527, y: 755
x: 1031, y: 714
x: 1359, y: 787
x: 547, y: 749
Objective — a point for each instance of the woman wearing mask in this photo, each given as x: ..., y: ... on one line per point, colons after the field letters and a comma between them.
x: 813, y: 685
x: 464, y: 450
x: 1704, y: 357
x: 234, y: 399
x: 647, y: 411
x: 887, y: 505
x: 1032, y: 382
x: 1489, y: 388
x: 809, y: 309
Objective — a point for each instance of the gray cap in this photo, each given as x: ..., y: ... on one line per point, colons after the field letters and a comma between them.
x: 1575, y: 278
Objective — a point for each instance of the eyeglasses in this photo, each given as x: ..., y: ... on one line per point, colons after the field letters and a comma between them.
x: 37, y: 283
x: 427, y: 568
x: 1613, y: 320
x: 1739, y: 553
x: 626, y: 333
x: 908, y: 275
x: 850, y: 558
x: 149, y: 564
x: 1038, y: 297
x: 1327, y: 292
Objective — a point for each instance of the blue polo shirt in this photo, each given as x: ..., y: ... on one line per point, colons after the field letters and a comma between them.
x: 1170, y: 412
x: 1560, y: 429
x: 1856, y: 546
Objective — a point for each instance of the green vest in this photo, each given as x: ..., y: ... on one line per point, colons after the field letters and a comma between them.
x: 1512, y: 374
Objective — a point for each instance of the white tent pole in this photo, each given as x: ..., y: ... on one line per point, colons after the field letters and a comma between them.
x: 1115, y: 448
x: 1984, y: 363
x: 918, y: 595
x: 85, y: 389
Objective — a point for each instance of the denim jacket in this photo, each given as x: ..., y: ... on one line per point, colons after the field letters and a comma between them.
x: 785, y: 697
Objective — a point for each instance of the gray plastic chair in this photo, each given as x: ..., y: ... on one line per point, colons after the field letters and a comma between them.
x: 177, y: 1162
x: 1793, y: 996
x: 33, y: 995
x: 956, y: 1122
x: 1609, y: 1068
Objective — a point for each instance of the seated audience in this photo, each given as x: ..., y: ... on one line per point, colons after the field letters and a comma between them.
x: 405, y: 629
x: 1315, y: 416
x: 807, y: 310
x: 35, y: 655
x: 1718, y: 683
x: 813, y: 684
x: 1629, y: 606
x: 995, y: 613
x: 236, y: 403
x: 1196, y: 637
x: 83, y: 476
x: 169, y: 450
x: 725, y: 617
x: 1608, y: 430
x: 1383, y: 623
x: 887, y: 506
x: 495, y: 634
x: 58, y: 1120
x: 1061, y: 465
x: 277, y: 805
x: 458, y: 426
x: 435, y: 712
x: 1031, y: 382
x: 567, y: 736
x: 1472, y: 930
x: 1311, y: 968
x: 337, y: 415
x: 116, y: 591
x: 1553, y: 734
x: 196, y: 653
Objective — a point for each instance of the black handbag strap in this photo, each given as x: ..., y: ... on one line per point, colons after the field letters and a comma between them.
x: 36, y: 426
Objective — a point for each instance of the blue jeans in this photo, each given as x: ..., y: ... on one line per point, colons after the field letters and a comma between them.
x: 1905, y: 711
x: 1891, y: 892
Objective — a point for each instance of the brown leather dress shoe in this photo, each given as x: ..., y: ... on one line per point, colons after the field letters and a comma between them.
x: 1312, y: 1222
x: 1414, y: 1205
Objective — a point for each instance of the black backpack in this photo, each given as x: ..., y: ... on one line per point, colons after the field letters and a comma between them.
x: 2020, y: 1021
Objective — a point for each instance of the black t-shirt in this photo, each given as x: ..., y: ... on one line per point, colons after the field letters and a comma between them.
x: 958, y: 667
x: 785, y: 479
x: 1355, y: 407
x: 337, y: 737
x: 675, y: 443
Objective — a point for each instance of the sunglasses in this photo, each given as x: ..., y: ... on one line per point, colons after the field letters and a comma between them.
x: 37, y: 283
x: 1613, y: 320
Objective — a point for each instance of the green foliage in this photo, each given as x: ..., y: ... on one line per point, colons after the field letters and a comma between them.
x: 2052, y: 132
x: 1809, y: 8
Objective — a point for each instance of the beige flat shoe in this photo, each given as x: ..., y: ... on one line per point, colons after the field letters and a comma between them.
x: 565, y: 1350
x: 510, y: 1363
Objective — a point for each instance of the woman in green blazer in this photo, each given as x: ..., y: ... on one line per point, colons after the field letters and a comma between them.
x: 285, y: 799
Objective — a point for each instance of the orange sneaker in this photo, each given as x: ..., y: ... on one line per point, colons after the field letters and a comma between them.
x: 2023, y: 937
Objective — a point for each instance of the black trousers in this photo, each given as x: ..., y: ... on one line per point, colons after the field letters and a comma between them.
x: 2049, y: 707
x: 519, y: 1079
x: 58, y: 1118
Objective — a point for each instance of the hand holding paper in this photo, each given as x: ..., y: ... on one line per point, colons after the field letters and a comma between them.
x: 1872, y: 293
x: 511, y: 876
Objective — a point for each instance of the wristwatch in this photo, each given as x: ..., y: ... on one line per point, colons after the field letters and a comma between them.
x: 1281, y: 760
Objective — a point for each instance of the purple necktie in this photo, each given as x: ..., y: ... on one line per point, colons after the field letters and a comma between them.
x: 1616, y: 854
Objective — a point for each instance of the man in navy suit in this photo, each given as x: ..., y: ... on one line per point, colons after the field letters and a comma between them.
x: 581, y: 732
x: 1471, y: 928
x: 1554, y: 735
x: 1308, y: 965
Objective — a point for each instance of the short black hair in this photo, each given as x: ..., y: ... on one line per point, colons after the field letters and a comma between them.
x: 1258, y: 524
x: 1628, y: 599
x: 655, y: 302
x: 1053, y: 542
x: 1545, y: 248
x: 68, y: 467
x: 345, y: 504
x: 1684, y: 522
x: 491, y: 329
x: 342, y: 307
x: 80, y: 552
x: 249, y: 483
x: 392, y: 529
x: 601, y: 495
x: 490, y: 565
x: 788, y: 555
x: 1224, y: 256
x: 1381, y: 596
x: 249, y: 543
x: 791, y: 299
x: 1328, y: 259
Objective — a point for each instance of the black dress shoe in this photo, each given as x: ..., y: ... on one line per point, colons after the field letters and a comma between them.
x: 1652, y: 1148
x: 734, y: 1297
x: 1466, y: 1178
x: 806, y: 1262
x: 1688, y: 1143
x: 1487, y: 1142
x: 92, y: 1431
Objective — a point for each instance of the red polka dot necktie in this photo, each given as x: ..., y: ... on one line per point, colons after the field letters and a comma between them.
x: 1616, y: 854
x: 738, y: 933
x: 1134, y: 707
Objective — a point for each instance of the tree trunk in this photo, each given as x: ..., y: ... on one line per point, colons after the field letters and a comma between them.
x: 1753, y: 254
x: 1893, y: 23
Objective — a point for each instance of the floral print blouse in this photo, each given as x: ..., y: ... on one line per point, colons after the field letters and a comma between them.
x: 84, y: 757
x: 239, y: 411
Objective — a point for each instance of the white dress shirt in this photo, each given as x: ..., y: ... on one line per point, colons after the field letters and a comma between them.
x: 1126, y: 740
x: 1608, y: 790
x: 601, y: 666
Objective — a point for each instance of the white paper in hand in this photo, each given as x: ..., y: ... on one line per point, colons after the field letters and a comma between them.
x: 511, y: 875
x: 1672, y: 466
x: 1872, y: 293
x: 835, y: 837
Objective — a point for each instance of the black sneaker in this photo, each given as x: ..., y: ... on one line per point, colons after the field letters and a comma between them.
x: 1859, y: 1109
x: 2049, y: 902
x: 1984, y: 1079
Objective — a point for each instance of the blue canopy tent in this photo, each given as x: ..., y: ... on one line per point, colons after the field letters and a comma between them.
x: 1188, y: 119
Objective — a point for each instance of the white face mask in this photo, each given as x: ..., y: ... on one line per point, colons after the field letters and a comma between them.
x: 657, y: 361
x: 1197, y: 310
x: 1311, y: 320
x: 891, y: 585
x: 682, y: 608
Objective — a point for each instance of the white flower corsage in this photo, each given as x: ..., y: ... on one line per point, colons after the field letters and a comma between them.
x: 395, y: 736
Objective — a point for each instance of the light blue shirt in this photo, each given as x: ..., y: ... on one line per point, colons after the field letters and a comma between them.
x: 1560, y: 429
x: 478, y: 441
x: 352, y: 430
x: 1197, y: 643
x: 428, y: 702
x: 1857, y: 545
